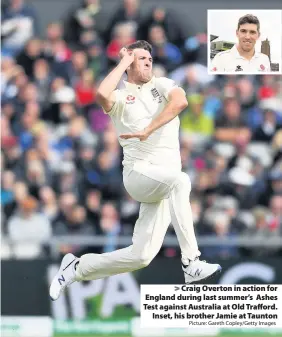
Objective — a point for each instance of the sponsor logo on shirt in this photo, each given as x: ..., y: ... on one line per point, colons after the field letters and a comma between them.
x: 262, y: 67
x: 130, y: 99
x: 238, y: 68
x: 156, y: 95
x: 214, y: 69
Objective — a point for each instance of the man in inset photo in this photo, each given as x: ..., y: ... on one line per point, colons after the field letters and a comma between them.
x: 242, y: 57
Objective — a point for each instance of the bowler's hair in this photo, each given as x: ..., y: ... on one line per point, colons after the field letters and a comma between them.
x: 140, y: 44
x: 249, y: 18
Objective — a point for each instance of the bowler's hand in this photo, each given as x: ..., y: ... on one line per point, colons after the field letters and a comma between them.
x: 126, y: 56
x: 142, y: 135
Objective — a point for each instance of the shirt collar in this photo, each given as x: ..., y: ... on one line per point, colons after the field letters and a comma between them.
x: 136, y: 86
x: 235, y: 52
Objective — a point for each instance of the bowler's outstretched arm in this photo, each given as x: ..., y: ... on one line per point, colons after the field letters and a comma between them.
x: 176, y: 103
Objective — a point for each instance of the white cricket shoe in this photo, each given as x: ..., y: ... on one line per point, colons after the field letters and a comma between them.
x: 64, y: 277
x: 199, y: 270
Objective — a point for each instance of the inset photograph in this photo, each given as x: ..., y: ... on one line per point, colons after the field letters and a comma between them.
x: 245, y: 41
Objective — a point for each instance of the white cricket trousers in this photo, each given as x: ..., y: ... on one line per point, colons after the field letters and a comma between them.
x: 164, y: 195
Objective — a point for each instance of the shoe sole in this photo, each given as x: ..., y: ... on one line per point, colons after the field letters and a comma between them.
x: 211, y: 276
x: 62, y: 268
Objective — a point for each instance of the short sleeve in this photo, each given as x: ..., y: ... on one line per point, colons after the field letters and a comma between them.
x: 118, y: 104
x: 166, y: 85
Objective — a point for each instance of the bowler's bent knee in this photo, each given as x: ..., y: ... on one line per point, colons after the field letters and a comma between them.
x: 183, y: 181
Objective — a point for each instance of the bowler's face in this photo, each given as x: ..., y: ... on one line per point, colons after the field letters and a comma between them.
x: 247, y: 36
x: 142, y: 65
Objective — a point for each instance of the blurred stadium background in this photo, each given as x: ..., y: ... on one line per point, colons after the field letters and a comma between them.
x: 61, y: 177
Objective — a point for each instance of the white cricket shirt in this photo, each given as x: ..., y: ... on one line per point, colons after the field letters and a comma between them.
x: 232, y: 62
x: 134, y: 109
